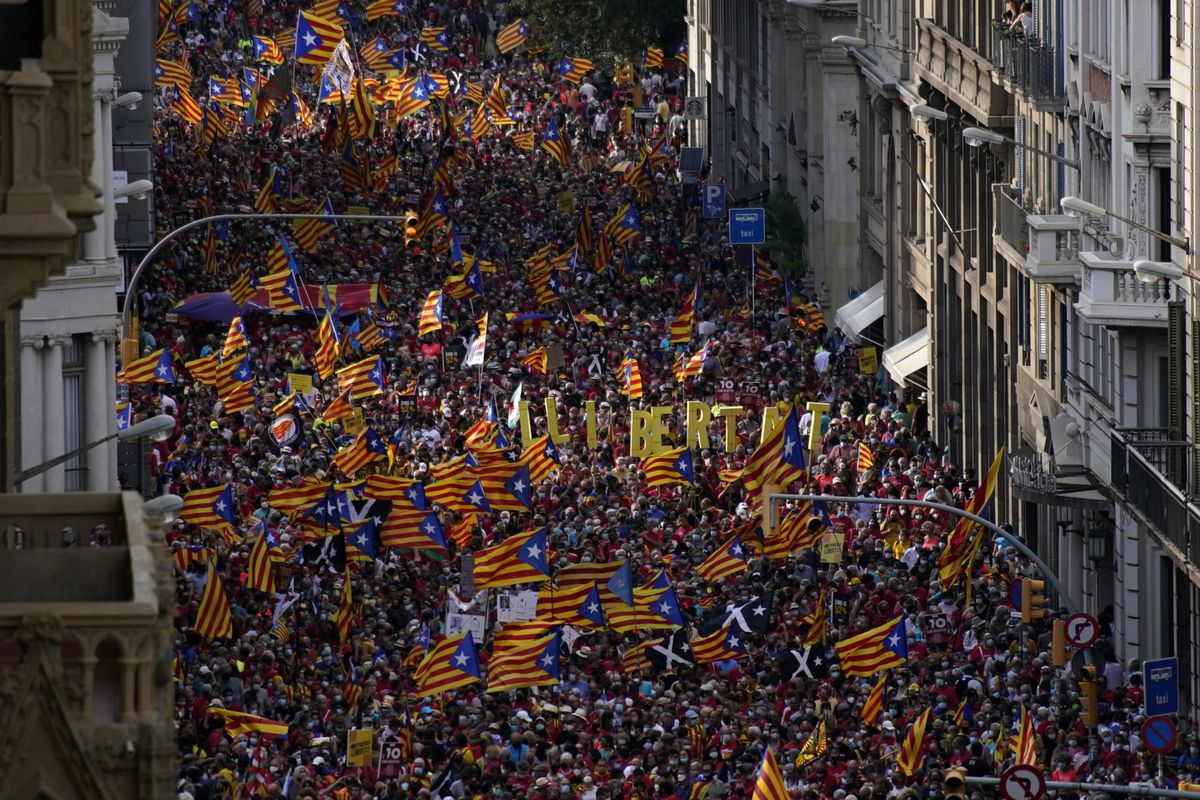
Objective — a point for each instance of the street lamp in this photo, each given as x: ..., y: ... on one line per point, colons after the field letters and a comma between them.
x: 977, y: 137
x: 1090, y: 212
x: 155, y: 428
x: 135, y: 278
x: 1155, y: 271
x: 128, y: 100
x: 859, y: 43
x: 166, y: 506
x: 137, y: 190
x: 926, y: 111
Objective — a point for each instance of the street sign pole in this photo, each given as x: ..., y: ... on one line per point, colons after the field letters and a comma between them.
x: 1107, y: 788
x: 1161, y: 680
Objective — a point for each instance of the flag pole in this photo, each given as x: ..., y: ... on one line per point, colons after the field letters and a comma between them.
x: 752, y: 286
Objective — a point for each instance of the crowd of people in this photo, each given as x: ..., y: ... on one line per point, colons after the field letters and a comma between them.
x: 618, y: 723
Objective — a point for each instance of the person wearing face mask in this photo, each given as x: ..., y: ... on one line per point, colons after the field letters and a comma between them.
x: 1189, y: 762
x: 1064, y: 771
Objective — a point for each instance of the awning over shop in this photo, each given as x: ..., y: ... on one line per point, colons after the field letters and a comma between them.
x: 854, y: 317
x: 908, y: 356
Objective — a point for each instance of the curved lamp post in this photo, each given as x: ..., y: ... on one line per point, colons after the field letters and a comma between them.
x: 155, y: 428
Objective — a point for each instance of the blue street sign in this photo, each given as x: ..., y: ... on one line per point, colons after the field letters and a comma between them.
x: 1161, y: 678
x: 747, y: 226
x: 1159, y: 734
x: 714, y: 200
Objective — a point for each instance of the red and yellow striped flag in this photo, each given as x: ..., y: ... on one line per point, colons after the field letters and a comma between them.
x: 769, y: 785
x: 873, y: 706
x: 213, y: 618
x: 537, y: 361
x: 344, y: 616
x: 909, y: 757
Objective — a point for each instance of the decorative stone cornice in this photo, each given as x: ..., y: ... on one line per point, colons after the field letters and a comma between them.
x: 58, y: 341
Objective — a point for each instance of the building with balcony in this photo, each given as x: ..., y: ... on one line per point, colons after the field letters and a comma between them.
x: 86, y: 641
x: 1089, y: 371
x: 68, y: 329
x: 783, y: 115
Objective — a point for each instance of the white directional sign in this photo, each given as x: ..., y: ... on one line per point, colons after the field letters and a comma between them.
x: 1081, y: 630
x: 1022, y: 782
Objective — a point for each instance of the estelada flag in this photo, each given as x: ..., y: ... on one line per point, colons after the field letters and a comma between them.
x: 453, y: 662
x: 154, y: 368
x: 879, y: 648
x: 518, y: 559
x: 364, y: 379
x: 512, y: 36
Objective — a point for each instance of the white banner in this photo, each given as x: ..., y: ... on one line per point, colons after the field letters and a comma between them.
x: 461, y: 623
x: 516, y: 606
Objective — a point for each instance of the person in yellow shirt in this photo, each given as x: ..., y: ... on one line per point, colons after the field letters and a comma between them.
x: 627, y: 118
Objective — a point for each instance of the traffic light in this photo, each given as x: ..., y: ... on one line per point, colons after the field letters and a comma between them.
x: 1089, y: 696
x: 1058, y: 643
x: 410, y: 227
x: 1033, y: 600
x: 954, y: 783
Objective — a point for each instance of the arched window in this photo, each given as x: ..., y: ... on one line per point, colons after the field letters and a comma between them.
x: 106, y: 682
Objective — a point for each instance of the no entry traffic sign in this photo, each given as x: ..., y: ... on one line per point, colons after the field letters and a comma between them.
x: 1081, y: 630
x: 1022, y: 782
x: 1159, y: 734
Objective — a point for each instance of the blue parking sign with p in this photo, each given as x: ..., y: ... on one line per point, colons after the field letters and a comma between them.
x: 1161, y: 681
x: 713, y: 197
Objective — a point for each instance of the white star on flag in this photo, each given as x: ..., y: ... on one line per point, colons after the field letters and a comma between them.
x: 460, y: 660
x: 534, y: 552
x: 310, y: 39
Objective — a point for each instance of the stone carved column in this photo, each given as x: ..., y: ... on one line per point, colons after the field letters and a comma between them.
x: 54, y: 421
x: 32, y: 452
x: 98, y: 372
